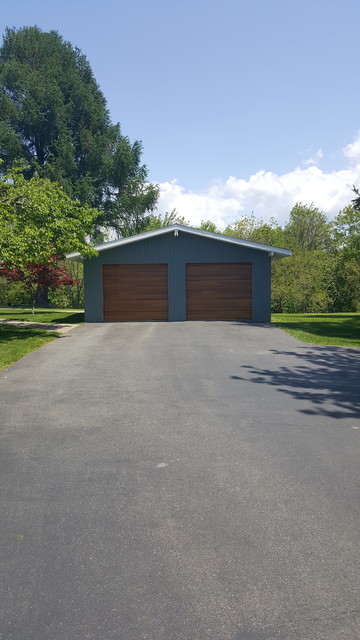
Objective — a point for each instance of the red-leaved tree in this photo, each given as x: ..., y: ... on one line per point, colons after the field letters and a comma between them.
x: 39, y: 278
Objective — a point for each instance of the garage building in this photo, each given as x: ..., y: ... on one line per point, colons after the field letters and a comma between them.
x: 179, y: 273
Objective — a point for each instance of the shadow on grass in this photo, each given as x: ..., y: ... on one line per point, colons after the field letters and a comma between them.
x: 339, y: 316
x: 326, y: 378
x: 61, y: 318
x: 43, y: 315
x: 73, y: 318
x: 10, y: 332
x: 337, y: 327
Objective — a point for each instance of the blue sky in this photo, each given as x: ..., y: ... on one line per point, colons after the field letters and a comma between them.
x: 242, y: 105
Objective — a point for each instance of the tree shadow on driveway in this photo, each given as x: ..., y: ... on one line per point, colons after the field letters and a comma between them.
x: 327, y: 377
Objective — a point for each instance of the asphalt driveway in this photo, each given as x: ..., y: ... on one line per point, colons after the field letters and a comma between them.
x: 180, y: 481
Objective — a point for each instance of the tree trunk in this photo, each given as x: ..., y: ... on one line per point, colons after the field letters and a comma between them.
x: 42, y: 295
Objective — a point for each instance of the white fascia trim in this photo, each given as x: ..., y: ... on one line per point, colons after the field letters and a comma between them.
x: 238, y: 241
x: 116, y: 243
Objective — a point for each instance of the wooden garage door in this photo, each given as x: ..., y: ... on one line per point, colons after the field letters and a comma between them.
x: 219, y: 291
x: 135, y: 292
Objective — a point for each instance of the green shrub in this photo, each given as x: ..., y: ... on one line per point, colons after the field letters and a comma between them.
x: 13, y: 294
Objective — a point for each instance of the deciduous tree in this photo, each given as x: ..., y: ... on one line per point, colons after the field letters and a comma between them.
x: 256, y: 230
x: 308, y: 228
x: 208, y: 225
x: 347, y: 273
x: 169, y: 218
x: 38, y: 278
x: 38, y: 220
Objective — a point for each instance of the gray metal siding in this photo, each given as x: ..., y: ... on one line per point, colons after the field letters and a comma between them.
x: 176, y: 252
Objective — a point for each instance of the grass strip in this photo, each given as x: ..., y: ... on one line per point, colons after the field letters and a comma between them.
x: 17, y: 342
x: 329, y: 329
x: 43, y: 315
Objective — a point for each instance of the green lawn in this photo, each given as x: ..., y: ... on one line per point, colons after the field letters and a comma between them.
x: 338, y: 329
x: 17, y: 342
x: 61, y: 316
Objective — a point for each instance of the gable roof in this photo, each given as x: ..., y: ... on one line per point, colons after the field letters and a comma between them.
x: 175, y: 228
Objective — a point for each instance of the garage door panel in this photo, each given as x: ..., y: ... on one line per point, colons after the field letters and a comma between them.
x: 202, y: 285
x: 129, y: 317
x: 222, y: 316
x: 135, y: 292
x: 225, y: 303
x: 138, y: 295
x: 224, y: 308
x: 218, y: 269
x: 219, y: 291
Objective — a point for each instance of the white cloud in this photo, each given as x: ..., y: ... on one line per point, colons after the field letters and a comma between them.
x: 352, y: 150
x: 315, y: 158
x: 266, y: 193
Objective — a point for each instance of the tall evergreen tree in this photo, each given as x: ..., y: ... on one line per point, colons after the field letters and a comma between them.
x: 54, y: 117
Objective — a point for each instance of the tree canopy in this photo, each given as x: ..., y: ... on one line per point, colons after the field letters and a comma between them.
x: 39, y: 220
x: 36, y: 278
x: 308, y: 228
x: 54, y: 117
x: 256, y: 230
x: 157, y: 221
